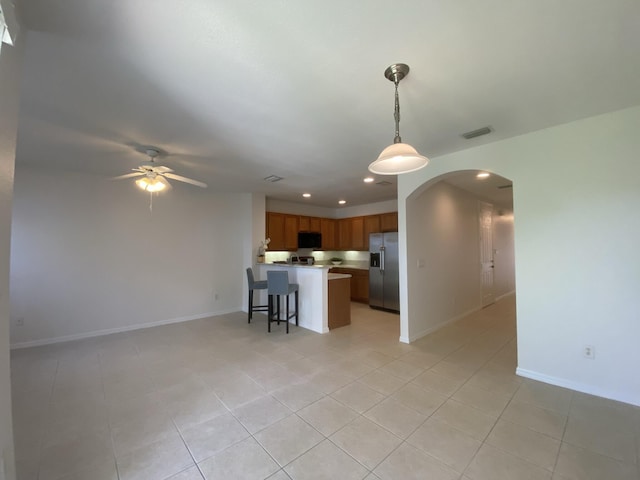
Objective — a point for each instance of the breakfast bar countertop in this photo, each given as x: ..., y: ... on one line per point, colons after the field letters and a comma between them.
x: 336, y: 276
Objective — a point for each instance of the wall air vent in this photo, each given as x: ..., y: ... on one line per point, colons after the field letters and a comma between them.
x: 505, y: 186
x: 273, y: 178
x: 477, y: 133
x: 383, y: 183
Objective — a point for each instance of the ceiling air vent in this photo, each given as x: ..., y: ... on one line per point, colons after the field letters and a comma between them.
x: 273, y: 178
x: 383, y: 183
x: 477, y: 133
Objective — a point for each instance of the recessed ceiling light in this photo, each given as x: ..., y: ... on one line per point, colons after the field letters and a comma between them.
x: 342, y: 202
x: 369, y: 180
x: 306, y: 195
x: 482, y: 175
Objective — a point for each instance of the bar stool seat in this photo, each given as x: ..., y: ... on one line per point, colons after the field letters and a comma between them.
x: 278, y: 284
x: 255, y: 285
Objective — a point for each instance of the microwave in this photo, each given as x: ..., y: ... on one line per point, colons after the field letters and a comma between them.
x: 309, y: 240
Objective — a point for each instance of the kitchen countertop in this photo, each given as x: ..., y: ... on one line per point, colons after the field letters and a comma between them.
x: 346, y: 265
x: 336, y: 276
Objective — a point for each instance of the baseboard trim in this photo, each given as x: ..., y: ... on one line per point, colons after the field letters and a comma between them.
x: 579, y: 387
x: 505, y: 295
x: 109, y: 331
x: 423, y: 333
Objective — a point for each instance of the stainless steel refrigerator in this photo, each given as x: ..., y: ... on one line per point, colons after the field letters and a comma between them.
x: 384, y: 272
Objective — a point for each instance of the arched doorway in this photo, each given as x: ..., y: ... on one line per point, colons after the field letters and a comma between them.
x: 459, y: 249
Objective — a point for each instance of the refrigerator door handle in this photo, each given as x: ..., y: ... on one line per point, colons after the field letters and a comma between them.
x: 381, y: 259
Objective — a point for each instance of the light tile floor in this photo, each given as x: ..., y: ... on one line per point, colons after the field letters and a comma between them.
x: 220, y: 399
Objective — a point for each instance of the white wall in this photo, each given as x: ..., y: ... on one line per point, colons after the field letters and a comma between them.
x: 443, y: 235
x: 576, y: 203
x: 10, y: 74
x: 339, y: 212
x: 89, y: 257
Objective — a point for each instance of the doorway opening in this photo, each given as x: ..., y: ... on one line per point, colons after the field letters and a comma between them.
x: 460, y: 249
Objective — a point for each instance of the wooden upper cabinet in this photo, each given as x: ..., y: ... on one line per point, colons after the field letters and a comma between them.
x: 371, y: 225
x: 309, y: 224
x: 291, y: 232
x: 357, y: 234
x: 275, y: 230
x: 314, y: 224
x: 344, y: 234
x: 328, y: 230
x: 389, y: 222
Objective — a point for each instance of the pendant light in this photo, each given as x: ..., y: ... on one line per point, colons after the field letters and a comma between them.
x: 398, y: 157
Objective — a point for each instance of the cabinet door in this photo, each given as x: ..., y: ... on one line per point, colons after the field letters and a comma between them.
x: 328, y: 230
x: 344, y: 234
x: 360, y: 287
x: 314, y: 224
x: 389, y: 222
x: 357, y: 233
x: 275, y: 230
x: 304, y: 224
x: 291, y: 232
x: 371, y: 225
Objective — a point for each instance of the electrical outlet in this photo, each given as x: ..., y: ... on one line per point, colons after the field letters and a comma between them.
x: 589, y: 352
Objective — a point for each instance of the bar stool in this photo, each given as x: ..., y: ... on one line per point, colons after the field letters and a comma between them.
x: 278, y: 284
x: 253, y: 285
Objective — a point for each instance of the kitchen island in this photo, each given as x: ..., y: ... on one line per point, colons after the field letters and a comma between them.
x: 314, y: 293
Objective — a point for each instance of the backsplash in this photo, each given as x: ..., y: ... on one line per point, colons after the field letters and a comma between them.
x: 350, y: 257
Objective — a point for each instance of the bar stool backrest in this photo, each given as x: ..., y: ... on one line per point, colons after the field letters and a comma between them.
x: 277, y: 282
x: 250, y: 278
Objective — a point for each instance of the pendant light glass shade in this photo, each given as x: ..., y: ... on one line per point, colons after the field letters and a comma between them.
x: 399, y: 157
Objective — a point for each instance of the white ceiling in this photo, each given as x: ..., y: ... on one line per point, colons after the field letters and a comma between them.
x: 232, y: 91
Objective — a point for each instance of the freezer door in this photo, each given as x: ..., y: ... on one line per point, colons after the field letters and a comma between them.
x: 391, y: 285
x: 376, y: 298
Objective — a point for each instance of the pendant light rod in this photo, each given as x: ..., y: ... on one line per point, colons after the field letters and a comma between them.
x: 396, y: 115
x: 395, y: 73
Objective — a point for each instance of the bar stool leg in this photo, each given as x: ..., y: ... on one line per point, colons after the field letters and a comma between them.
x: 250, y: 306
x: 270, y: 313
x: 287, y: 317
x: 297, y: 308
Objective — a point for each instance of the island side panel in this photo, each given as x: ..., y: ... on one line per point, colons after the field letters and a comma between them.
x: 313, y: 293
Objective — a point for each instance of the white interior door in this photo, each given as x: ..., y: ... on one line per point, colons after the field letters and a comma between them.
x: 486, y: 253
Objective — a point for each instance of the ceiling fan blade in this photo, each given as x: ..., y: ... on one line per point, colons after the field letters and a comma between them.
x: 180, y: 178
x: 162, y: 169
x: 128, y: 175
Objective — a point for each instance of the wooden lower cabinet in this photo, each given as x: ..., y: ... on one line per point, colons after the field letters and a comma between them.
x: 339, y: 313
x: 359, y: 283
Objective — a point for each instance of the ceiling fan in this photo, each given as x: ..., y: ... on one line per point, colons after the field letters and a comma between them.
x: 154, y: 178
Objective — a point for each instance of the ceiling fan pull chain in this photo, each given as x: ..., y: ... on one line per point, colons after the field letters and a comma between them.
x: 151, y: 202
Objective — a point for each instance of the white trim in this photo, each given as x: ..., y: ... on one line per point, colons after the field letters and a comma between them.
x: 505, y: 295
x: 413, y: 338
x: 109, y: 331
x: 579, y: 387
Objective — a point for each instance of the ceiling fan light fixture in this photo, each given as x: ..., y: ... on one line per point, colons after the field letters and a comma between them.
x: 399, y: 157
x: 150, y: 185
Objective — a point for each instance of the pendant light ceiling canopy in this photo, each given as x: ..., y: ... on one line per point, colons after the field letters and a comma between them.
x: 398, y: 157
